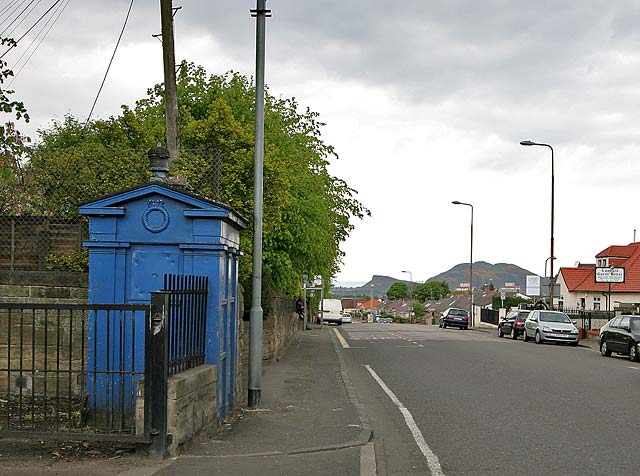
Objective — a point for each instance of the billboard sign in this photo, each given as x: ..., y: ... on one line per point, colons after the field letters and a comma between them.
x: 533, y: 285
x: 609, y: 275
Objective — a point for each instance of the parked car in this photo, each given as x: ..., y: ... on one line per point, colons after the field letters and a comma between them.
x: 454, y: 317
x: 552, y: 326
x: 513, y: 323
x: 346, y: 318
x: 621, y: 335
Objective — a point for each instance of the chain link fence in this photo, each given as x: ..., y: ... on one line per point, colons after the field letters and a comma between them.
x: 40, y: 228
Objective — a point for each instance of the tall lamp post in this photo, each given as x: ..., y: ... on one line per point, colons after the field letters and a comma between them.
x: 551, y: 255
x: 471, y: 317
x: 371, y: 303
x: 410, y: 293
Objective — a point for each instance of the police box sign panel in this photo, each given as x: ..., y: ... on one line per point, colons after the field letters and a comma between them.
x: 609, y: 275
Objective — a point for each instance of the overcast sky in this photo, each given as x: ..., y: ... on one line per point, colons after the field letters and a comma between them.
x: 425, y: 102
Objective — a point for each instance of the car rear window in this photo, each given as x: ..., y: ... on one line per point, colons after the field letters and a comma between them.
x: 457, y: 312
x: 523, y: 315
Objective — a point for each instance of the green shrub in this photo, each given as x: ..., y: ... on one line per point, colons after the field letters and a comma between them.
x: 72, y: 261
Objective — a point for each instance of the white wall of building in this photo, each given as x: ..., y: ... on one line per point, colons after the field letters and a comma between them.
x: 593, y: 300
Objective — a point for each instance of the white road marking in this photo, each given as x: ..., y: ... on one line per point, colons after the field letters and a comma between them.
x: 634, y: 368
x: 432, y: 459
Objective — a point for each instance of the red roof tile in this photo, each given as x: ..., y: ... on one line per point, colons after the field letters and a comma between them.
x: 618, y: 251
x: 583, y: 279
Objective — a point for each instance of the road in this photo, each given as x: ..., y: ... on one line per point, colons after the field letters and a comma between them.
x: 452, y: 402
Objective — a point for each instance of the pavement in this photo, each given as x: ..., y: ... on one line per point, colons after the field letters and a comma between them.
x: 309, y: 422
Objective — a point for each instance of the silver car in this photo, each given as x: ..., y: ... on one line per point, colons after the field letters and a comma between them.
x: 552, y: 326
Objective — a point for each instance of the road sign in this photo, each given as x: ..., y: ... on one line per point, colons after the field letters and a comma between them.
x: 609, y: 275
x: 533, y: 285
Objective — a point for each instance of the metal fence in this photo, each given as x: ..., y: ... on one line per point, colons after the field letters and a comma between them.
x: 54, y: 384
x: 589, y: 319
x: 40, y: 227
x: 187, y: 320
x: 489, y: 316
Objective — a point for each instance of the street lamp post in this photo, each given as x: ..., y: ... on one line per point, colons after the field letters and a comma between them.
x: 456, y: 202
x: 551, y: 255
x: 410, y: 293
x: 371, y: 303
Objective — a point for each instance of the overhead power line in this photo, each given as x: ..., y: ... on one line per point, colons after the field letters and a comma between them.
x: 32, y: 27
x: 110, y: 62
x: 13, y: 7
x: 51, y: 22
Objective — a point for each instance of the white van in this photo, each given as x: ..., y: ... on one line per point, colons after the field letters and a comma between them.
x: 332, y: 311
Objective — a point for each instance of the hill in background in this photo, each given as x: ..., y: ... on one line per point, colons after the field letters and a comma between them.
x: 483, y: 272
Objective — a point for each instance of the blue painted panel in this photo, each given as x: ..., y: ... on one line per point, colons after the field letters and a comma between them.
x: 103, y: 228
x: 147, y: 267
x: 156, y: 219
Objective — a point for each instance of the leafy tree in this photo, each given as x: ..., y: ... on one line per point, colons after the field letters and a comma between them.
x: 307, y: 212
x: 13, y: 196
x: 432, y: 290
x: 509, y: 302
x: 398, y: 290
x: 419, y: 309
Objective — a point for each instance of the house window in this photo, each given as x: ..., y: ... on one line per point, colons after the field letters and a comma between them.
x: 596, y: 303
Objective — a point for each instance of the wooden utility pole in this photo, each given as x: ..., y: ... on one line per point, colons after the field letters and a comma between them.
x: 170, y: 91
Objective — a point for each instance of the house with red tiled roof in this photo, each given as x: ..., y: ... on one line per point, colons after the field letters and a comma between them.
x: 579, y: 289
x: 366, y: 306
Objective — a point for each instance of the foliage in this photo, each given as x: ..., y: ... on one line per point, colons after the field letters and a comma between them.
x: 102, y: 157
x: 433, y: 290
x: 307, y: 212
x: 398, y: 290
x: 13, y: 199
x: 510, y: 302
x: 71, y: 261
x: 419, y: 309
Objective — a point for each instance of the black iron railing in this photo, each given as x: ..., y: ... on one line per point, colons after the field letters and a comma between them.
x: 490, y: 316
x: 58, y: 376
x: 589, y: 319
x: 187, y: 321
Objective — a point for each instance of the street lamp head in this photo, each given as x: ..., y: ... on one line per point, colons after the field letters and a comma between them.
x: 527, y: 142
x: 456, y: 202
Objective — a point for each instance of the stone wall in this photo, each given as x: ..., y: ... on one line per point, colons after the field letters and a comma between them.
x: 34, y: 334
x: 43, y: 287
x: 280, y: 324
x: 191, y: 404
x: 278, y: 327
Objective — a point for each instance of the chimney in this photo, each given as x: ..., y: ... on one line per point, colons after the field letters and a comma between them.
x: 158, y: 163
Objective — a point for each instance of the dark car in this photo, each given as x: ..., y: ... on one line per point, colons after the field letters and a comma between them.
x: 454, y: 317
x: 621, y: 335
x: 513, y: 323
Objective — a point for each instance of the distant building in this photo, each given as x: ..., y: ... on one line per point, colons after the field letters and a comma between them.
x: 509, y: 288
x: 462, y: 287
x: 366, y: 306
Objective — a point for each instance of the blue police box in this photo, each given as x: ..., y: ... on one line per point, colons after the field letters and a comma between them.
x: 137, y: 236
